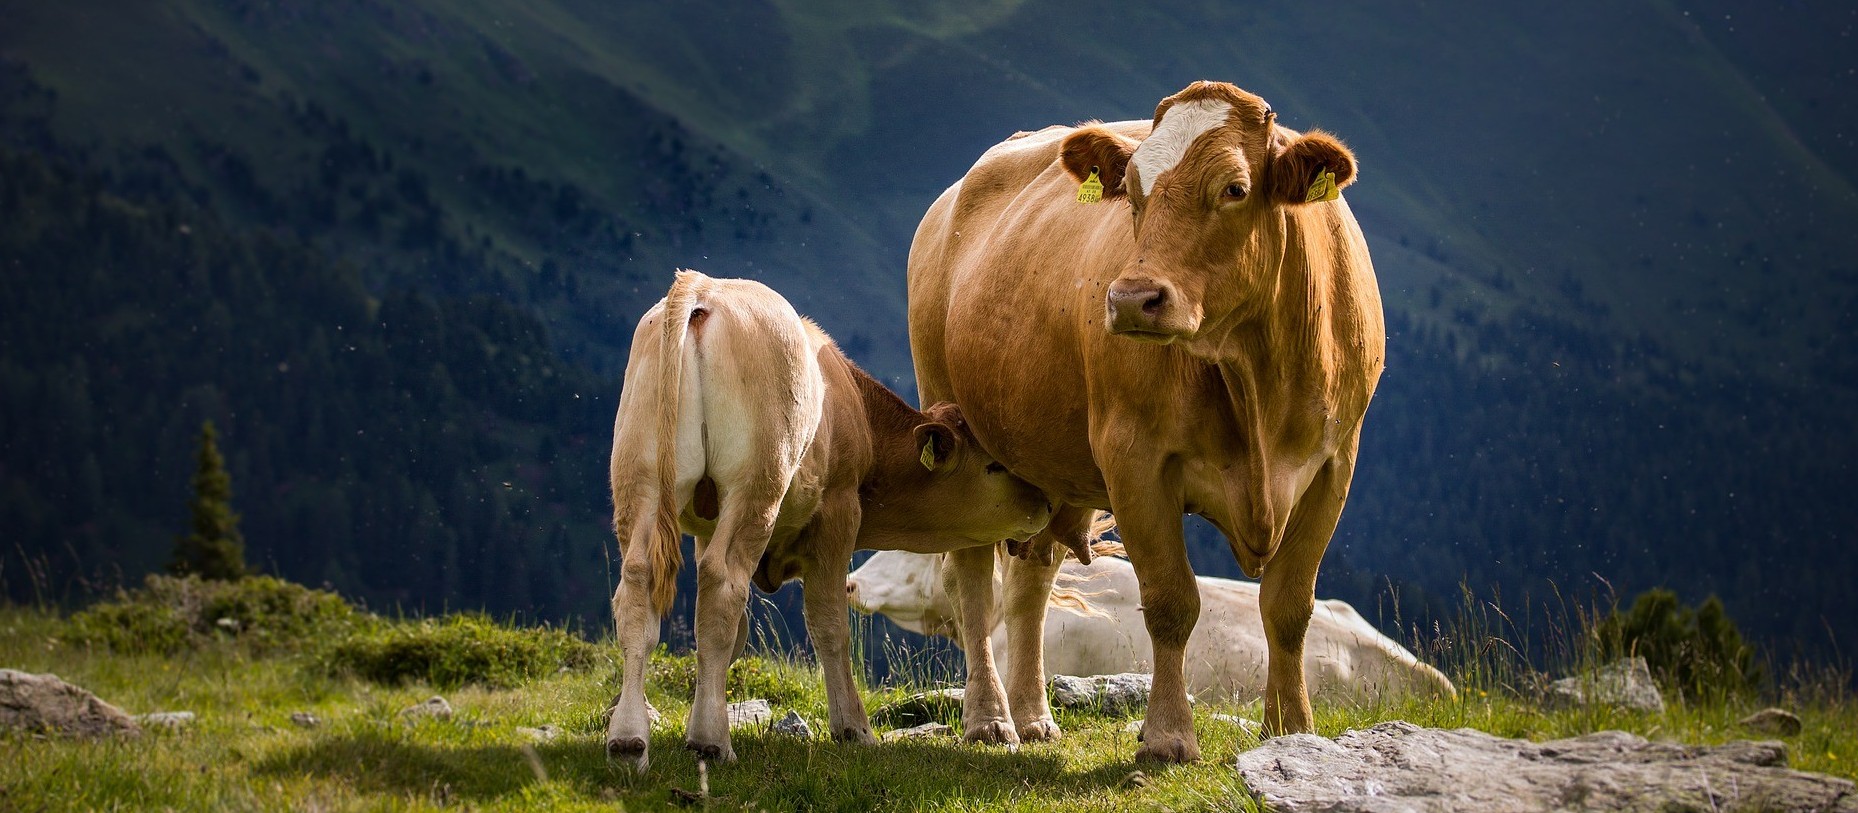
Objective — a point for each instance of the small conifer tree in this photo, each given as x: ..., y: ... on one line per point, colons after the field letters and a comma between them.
x: 213, y: 548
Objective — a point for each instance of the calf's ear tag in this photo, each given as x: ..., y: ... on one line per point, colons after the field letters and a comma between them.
x: 1091, y: 190
x: 1323, y: 188
x: 928, y: 457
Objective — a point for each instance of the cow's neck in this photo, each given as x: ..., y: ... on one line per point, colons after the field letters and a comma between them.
x: 1280, y: 372
x: 892, y: 423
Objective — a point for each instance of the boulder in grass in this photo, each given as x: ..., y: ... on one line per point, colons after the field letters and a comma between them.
x: 793, y: 725
x: 1772, y: 723
x: 435, y: 707
x: 1113, y: 695
x: 750, y: 713
x: 1626, y: 683
x: 169, y: 720
x: 923, y: 731
x: 43, y: 703
x: 1401, y: 766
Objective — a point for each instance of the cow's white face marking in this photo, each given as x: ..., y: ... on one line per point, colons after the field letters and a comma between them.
x: 1179, y: 127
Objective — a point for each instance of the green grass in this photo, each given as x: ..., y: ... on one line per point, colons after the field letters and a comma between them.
x: 244, y: 752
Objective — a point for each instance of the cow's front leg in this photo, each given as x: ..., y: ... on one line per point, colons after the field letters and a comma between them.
x: 1027, y: 596
x: 1287, y: 595
x: 1149, y: 516
x: 984, y: 715
x: 723, y: 571
x: 834, y: 534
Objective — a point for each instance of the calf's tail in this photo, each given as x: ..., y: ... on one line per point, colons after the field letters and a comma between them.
x: 667, y: 555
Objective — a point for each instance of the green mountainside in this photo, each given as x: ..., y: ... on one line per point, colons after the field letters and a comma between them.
x: 395, y: 249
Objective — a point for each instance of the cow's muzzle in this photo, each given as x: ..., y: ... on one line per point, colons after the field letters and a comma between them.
x: 1143, y: 309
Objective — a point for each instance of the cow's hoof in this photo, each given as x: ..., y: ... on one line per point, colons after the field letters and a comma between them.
x: 1164, y: 748
x: 713, y: 752
x: 857, y: 736
x: 1041, y: 730
x: 992, y: 732
x: 628, y: 751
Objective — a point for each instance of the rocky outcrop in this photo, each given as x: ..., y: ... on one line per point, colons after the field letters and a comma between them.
x: 750, y: 713
x: 1399, y: 766
x: 1772, y: 723
x: 45, y: 704
x: 1626, y: 683
x: 793, y: 725
x: 1114, y: 695
x: 435, y: 707
x: 920, y: 732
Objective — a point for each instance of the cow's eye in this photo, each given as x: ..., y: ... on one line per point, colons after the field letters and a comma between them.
x: 995, y: 468
x: 1235, y: 192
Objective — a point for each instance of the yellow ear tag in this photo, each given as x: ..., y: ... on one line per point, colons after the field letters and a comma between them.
x: 1323, y: 188
x: 1091, y: 190
x: 928, y: 457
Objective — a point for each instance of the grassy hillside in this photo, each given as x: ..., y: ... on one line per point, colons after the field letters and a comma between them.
x: 245, y: 752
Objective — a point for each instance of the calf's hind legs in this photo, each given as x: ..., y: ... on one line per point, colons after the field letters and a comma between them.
x: 628, y: 731
x: 723, y: 571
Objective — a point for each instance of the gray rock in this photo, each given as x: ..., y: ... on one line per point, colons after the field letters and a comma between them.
x: 927, y: 707
x: 1625, y: 683
x: 545, y: 733
x: 304, y: 719
x: 435, y: 707
x: 793, y: 724
x: 43, y: 703
x: 1109, y: 694
x: 920, y: 732
x: 1399, y: 766
x: 1772, y: 723
x: 1248, y: 726
x: 170, y: 720
x: 750, y: 712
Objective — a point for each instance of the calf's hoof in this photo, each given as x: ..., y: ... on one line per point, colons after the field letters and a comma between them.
x: 628, y: 751
x: 992, y: 732
x: 857, y: 736
x: 1160, y: 747
x: 712, y: 751
x: 1041, y: 730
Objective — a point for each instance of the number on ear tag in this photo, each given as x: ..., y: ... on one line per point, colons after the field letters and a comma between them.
x: 1323, y: 188
x: 1091, y: 190
x: 928, y: 457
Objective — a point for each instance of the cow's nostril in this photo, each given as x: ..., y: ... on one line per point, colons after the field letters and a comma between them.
x: 851, y: 588
x: 1152, y: 305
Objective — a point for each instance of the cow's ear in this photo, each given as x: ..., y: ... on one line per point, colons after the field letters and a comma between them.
x: 1310, y: 168
x: 1097, y: 148
x: 936, y: 445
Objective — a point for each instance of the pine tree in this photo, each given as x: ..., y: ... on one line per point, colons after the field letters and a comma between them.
x: 214, y: 549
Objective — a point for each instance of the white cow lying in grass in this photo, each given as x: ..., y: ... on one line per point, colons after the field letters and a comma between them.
x: 1344, y: 656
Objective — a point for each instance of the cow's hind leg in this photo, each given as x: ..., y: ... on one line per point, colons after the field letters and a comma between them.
x: 629, y: 729
x: 984, y: 713
x: 723, y: 572
x: 834, y: 535
x: 1028, y: 593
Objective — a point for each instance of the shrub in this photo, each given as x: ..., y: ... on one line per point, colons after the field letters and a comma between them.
x: 1700, y: 653
x: 169, y: 614
x: 750, y: 677
x: 455, y: 650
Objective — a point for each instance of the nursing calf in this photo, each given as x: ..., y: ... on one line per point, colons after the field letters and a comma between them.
x: 743, y: 425
x: 1345, y: 656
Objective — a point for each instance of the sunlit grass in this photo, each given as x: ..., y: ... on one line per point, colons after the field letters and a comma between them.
x: 244, y: 753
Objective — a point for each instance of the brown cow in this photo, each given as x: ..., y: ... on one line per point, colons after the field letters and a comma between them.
x: 786, y: 458
x: 1203, y: 340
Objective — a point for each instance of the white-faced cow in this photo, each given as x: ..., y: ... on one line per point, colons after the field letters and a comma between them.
x: 1346, y: 658
x: 1204, y: 339
x: 742, y: 424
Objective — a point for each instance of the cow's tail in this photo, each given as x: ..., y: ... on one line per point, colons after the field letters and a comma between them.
x: 667, y: 555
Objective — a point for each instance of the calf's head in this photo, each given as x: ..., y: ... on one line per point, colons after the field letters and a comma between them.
x: 1210, y: 189
x: 945, y: 485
